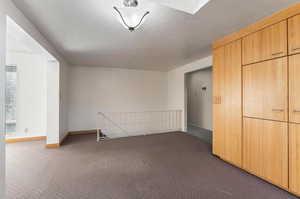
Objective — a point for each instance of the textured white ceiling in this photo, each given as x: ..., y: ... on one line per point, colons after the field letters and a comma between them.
x: 86, y: 32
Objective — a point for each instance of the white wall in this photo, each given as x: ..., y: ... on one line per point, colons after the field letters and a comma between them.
x: 176, y: 85
x: 52, y: 120
x: 94, y: 89
x: 2, y: 83
x: 199, y: 110
x: 64, y: 71
x: 31, y: 93
x: 7, y: 7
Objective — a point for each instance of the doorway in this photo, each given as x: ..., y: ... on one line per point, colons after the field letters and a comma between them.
x: 199, y: 104
x: 31, y: 89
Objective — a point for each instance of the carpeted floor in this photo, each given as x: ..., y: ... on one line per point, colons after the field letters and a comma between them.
x: 167, y: 166
x: 203, y: 134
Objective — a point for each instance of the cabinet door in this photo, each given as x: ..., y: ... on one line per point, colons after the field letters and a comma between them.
x: 265, y: 150
x: 294, y: 84
x: 274, y: 41
x: 233, y: 104
x: 295, y: 158
x: 265, y: 90
x: 265, y: 44
x: 294, y: 34
x: 218, y: 111
x: 227, y: 136
x: 252, y: 48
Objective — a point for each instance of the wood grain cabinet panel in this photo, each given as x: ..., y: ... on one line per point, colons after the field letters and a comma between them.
x: 295, y: 158
x: 265, y: 44
x: 294, y: 87
x: 232, y: 103
x: 252, y: 45
x: 294, y: 34
x: 265, y: 90
x: 227, y: 118
x: 265, y: 150
x: 274, y: 41
x: 218, y: 111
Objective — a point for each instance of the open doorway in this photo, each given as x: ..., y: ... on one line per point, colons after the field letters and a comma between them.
x: 31, y: 89
x: 199, y: 103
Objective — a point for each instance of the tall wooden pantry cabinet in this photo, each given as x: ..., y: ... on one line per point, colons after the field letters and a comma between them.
x: 256, y: 112
x: 227, y: 103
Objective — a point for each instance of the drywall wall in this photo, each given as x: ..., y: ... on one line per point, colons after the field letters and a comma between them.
x: 31, y: 93
x: 176, y: 85
x: 24, y: 51
x: 94, y: 89
x: 8, y: 8
x: 52, y: 124
x: 2, y: 64
x: 199, y: 98
x: 64, y: 71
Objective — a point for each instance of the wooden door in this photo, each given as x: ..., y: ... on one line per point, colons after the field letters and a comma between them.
x: 265, y: 150
x: 232, y: 102
x: 294, y: 84
x: 295, y: 158
x: 265, y: 92
x: 294, y: 34
x: 218, y: 111
x: 268, y: 43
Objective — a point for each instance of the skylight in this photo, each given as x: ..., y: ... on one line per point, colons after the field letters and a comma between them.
x: 188, y: 6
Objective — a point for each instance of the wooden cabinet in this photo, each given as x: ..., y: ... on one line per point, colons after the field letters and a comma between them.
x: 232, y: 104
x: 294, y: 34
x: 271, y: 99
x: 294, y: 87
x: 294, y: 158
x: 265, y: 44
x: 265, y: 92
x: 265, y: 150
x: 227, y: 119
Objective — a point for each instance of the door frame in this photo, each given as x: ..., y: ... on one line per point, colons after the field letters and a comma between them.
x: 185, y: 108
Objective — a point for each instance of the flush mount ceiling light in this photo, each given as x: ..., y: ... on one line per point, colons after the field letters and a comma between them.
x: 130, y: 16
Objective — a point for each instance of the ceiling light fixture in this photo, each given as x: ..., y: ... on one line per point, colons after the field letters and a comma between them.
x: 130, y: 16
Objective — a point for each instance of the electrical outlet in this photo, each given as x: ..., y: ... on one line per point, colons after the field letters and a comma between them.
x: 26, y: 130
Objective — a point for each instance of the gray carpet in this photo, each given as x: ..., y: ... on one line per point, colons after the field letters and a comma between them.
x: 167, y: 166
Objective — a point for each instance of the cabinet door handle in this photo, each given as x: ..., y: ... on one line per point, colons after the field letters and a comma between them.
x: 278, y: 110
x: 296, y: 111
x: 275, y: 54
x: 294, y: 49
x: 217, y: 100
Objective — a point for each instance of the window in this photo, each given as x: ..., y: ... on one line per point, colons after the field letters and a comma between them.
x: 10, y: 100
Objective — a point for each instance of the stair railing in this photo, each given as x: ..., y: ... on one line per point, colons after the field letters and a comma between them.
x: 125, y: 124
